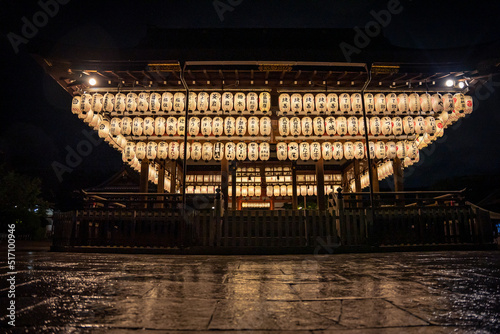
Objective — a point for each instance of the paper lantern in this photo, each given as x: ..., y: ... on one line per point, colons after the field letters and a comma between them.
x: 129, y: 151
x: 283, y: 190
x: 331, y: 126
x: 315, y: 151
x: 430, y: 125
x: 344, y: 103
x: 137, y: 126
x: 348, y: 150
x: 258, y: 191
x: 229, y: 126
x: 356, y: 103
x: 411, y: 149
x: 293, y: 151
x: 425, y: 102
x: 179, y: 102
x: 459, y: 104
x: 437, y: 102
x: 296, y: 103
x: 319, y: 126
x: 167, y: 102
x: 380, y: 103
x: 400, y: 150
x: 327, y: 150
x: 206, y: 126
x: 148, y: 126
x: 295, y: 126
x: 439, y: 127
x: 391, y: 149
x: 151, y: 149
x: 419, y: 125
x: 253, y: 151
x: 386, y: 125
x: 375, y: 126
x: 391, y: 103
x: 143, y: 102
x: 253, y: 126
x: 320, y: 102
x: 76, y: 105
x: 468, y: 104
x: 276, y: 191
x: 126, y: 126
x: 241, y: 126
x: 131, y: 102
x: 359, y: 150
x: 308, y: 103
x: 215, y: 101
x: 281, y: 151
x: 155, y: 101
x: 173, y: 150
x: 97, y: 102
x: 361, y: 125
x: 171, y: 126
x: 239, y: 102
x: 284, y: 126
x: 352, y: 126
x: 264, y: 102
x: 192, y: 101
x: 194, y: 126
x: 115, y: 126
x: 207, y: 151
x: 447, y: 102
x: 265, y: 126
x: 341, y: 123
x: 218, y: 151
x: 408, y: 125
x: 217, y: 126
x: 251, y: 191
x: 444, y: 117
x: 289, y: 190
x: 103, y: 131
x: 307, y: 126
x: 264, y: 151
x: 160, y: 123
x: 304, y: 151
x: 227, y: 101
x: 369, y: 103
x: 397, y: 126
x: 403, y: 103
x: 332, y: 103
x: 303, y: 190
x: 252, y: 102
x: 140, y: 150
x: 284, y: 103
x: 121, y: 141
x: 414, y: 103
x: 181, y: 150
x: 108, y: 102
x: 203, y: 101
x: 241, y: 151
x: 380, y: 150
x: 196, y: 149
x: 181, y: 126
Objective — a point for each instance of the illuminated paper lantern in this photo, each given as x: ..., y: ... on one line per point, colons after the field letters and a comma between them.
x: 167, y: 102
x: 217, y: 126
x: 411, y: 149
x: 341, y: 126
x: 137, y: 126
x: 154, y: 102
x: 327, y: 150
x: 320, y: 102
x: 372, y: 148
x: 356, y: 103
x: 444, y: 117
x: 276, y: 191
x: 251, y: 191
x: 97, y: 102
x: 253, y: 151
x: 207, y: 151
x: 218, y: 151
x: 403, y: 103
x: 369, y: 103
x: 303, y: 190
x: 315, y: 151
x: 284, y: 103
x: 160, y: 124
x: 332, y: 103
x: 344, y: 103
x: 348, y: 150
x: 386, y: 125
x: 108, y: 102
x: 304, y: 151
x: 408, y: 125
x: 264, y: 151
x: 173, y: 150
x: 352, y: 126
x: 400, y: 150
x: 430, y: 125
x: 439, y: 127
x: 227, y: 101
x: 126, y: 126
x: 391, y: 103
x: 307, y: 126
x: 181, y: 150
x: 171, y: 126
x: 447, y: 102
x: 103, y: 131
x: 215, y: 101
x: 437, y: 102
x: 229, y: 126
x: 359, y: 150
x: 295, y: 126
x: 293, y: 151
x: 308, y: 103
x: 265, y: 126
x: 196, y: 149
x: 241, y: 151
x: 179, y: 102
x: 397, y: 126
x: 375, y: 126
x: 192, y: 101
x: 241, y: 126
x: 283, y: 190
x: 239, y: 102
x: 281, y: 151
x: 264, y: 102
x: 151, y: 149
x: 181, y: 126
x: 252, y: 102
x: 459, y: 104
x: 258, y: 191
x: 331, y: 126
x: 148, y: 126
x: 419, y: 125
x: 194, y: 126
x: 380, y: 150
x: 361, y: 125
x: 296, y: 103
x: 380, y: 103
x: 203, y: 101
x: 391, y: 149
x: 143, y: 102
x: 469, y: 107
x: 121, y: 141
x: 289, y: 190
x: 76, y: 105
x: 253, y: 126
x: 140, y: 150
x: 319, y: 126
x: 115, y: 126
x: 425, y: 102
x: 129, y: 151
x: 206, y: 126
x: 414, y: 103
x: 284, y: 126
x: 131, y: 103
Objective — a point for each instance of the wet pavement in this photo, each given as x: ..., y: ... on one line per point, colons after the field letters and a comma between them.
x: 434, y: 292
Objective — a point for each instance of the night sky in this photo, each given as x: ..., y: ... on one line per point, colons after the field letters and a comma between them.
x: 36, y: 123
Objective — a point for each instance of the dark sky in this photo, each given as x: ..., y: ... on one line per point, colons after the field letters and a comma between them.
x: 36, y: 124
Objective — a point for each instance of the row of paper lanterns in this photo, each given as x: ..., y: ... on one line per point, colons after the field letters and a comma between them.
x: 256, y: 191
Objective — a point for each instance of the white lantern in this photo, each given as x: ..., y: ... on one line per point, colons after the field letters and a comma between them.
x: 217, y: 126
x: 137, y: 126
x: 91, y: 119
x: 154, y: 102
x: 320, y: 102
x: 391, y: 103
x: 284, y: 103
x: 408, y: 125
x: 281, y: 151
x: 251, y: 191
x: 352, y: 126
x: 167, y: 102
x: 397, y: 126
x: 315, y: 149
x: 253, y: 151
x: 171, y: 126
x: 252, y: 102
x: 391, y: 150
x: 143, y: 102
x: 386, y: 125
x: 76, y: 105
x: 206, y: 126
x: 293, y: 151
x: 181, y: 150
x: 332, y: 103
x: 276, y: 191
x: 437, y: 102
x: 411, y: 149
x: 403, y: 103
x: 253, y: 125
x: 148, y: 126
x: 264, y: 102
x: 151, y: 149
x: 304, y: 151
x: 241, y: 151
x: 361, y: 125
x: 369, y: 103
x: 400, y: 150
x: 258, y: 190
x: 414, y: 103
x: 419, y: 125
x: 126, y: 126
x: 447, y: 102
x: 459, y: 104
x: 227, y: 101
x: 203, y: 101
x: 359, y: 150
x: 380, y: 150
x: 229, y: 126
x: 162, y: 150
x: 289, y: 190
x: 284, y: 126
x: 239, y: 102
x: 380, y: 103
x: 348, y: 150
x: 331, y: 126
x: 303, y: 190
x: 444, y: 117
x: 108, y: 102
x: 356, y: 103
x: 192, y: 101
x: 468, y: 104
x: 425, y: 102
x: 131, y: 102
x: 371, y: 145
x: 439, y: 127
x: 230, y: 151
x: 344, y: 103
x: 196, y: 149
x: 341, y: 125
x: 194, y: 126
x: 129, y: 151
x: 375, y: 126
x: 327, y: 150
x: 241, y: 126
x: 308, y: 103
x: 160, y: 126
x: 218, y: 151
x: 103, y: 131
x: 215, y: 101
x: 296, y: 103
x: 207, y: 151
x: 181, y: 126
x: 173, y: 150
x: 307, y: 126
x: 264, y: 151
x: 430, y: 125
x: 179, y: 102
x: 295, y: 126
x: 115, y: 126
x: 265, y: 126
x: 319, y: 126
x: 140, y: 150
x: 97, y: 101
x: 121, y: 141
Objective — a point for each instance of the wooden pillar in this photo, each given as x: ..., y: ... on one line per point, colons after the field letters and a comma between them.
x: 295, y: 203
x: 376, y: 187
x: 161, y: 179
x: 233, y: 186
x: 224, y: 179
x: 357, y: 176
x: 398, y: 180
x: 143, y: 181
x: 173, y: 176
x: 263, y: 180
x: 320, y: 184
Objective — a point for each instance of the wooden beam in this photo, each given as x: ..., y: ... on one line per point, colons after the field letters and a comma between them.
x: 320, y: 184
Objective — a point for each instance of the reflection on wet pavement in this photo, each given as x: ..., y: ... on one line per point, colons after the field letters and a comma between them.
x: 438, y: 292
